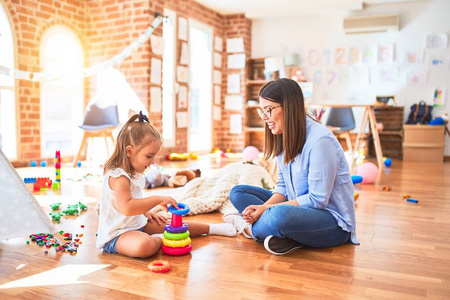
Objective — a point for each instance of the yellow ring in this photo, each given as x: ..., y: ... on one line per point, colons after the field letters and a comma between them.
x: 176, y: 243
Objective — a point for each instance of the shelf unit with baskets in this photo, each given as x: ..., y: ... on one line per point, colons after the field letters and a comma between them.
x: 391, y: 136
x: 253, y: 125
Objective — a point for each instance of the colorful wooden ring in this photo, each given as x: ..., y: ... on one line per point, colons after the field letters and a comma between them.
x: 159, y: 266
x: 176, y: 251
x: 176, y: 243
x: 183, y: 209
x: 176, y: 236
x: 176, y: 229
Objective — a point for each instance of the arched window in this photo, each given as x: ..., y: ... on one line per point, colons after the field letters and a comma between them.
x: 8, y: 137
x: 62, y: 98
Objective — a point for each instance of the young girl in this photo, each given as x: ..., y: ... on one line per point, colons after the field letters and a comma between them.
x: 126, y: 224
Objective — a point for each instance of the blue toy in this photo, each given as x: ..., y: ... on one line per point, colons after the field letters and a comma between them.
x: 437, y: 121
x: 29, y: 180
x: 388, y: 162
x: 33, y: 163
x: 79, y: 164
x: 356, y: 179
x: 43, y: 163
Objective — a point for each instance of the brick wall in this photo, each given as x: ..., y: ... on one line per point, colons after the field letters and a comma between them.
x: 235, y: 26
x: 105, y: 28
x: 30, y: 19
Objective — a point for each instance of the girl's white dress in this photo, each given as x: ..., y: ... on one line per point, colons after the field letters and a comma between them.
x: 112, y: 222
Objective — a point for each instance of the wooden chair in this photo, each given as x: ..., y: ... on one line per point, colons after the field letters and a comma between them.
x: 341, y: 121
x: 98, y: 122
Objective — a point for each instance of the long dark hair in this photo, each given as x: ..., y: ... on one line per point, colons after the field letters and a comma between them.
x: 289, y: 95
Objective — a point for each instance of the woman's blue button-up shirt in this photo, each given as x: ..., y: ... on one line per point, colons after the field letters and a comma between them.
x: 320, y: 178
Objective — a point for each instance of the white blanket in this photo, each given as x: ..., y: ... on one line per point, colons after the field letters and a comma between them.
x: 208, y: 194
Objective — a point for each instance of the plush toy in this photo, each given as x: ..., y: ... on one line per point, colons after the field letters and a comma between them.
x: 155, y: 178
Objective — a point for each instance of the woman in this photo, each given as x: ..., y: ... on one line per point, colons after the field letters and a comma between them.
x: 313, y: 202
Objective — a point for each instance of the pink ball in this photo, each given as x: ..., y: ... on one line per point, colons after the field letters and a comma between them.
x: 368, y: 171
x: 250, y: 153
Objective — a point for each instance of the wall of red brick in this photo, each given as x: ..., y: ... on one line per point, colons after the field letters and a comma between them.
x: 30, y: 19
x: 105, y: 28
x: 235, y: 26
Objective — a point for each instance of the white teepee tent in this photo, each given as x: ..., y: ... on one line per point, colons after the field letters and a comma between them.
x: 20, y: 213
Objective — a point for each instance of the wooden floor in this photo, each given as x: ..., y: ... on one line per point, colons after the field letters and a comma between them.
x: 404, y: 253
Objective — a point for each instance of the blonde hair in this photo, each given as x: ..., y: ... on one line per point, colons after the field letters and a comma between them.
x: 133, y: 133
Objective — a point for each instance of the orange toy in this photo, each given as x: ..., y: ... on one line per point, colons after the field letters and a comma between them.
x: 159, y: 266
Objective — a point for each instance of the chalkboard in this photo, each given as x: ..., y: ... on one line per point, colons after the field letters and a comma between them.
x: 385, y: 100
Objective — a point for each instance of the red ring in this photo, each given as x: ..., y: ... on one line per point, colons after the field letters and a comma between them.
x: 159, y: 266
x: 176, y: 251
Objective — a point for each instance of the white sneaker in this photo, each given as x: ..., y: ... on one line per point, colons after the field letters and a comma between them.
x: 238, y: 221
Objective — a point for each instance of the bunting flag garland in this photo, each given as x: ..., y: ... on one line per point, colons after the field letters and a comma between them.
x: 114, y: 61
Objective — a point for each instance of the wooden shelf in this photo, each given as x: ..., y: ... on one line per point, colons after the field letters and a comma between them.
x: 391, y: 137
x: 391, y: 132
x: 255, y: 82
x: 254, y: 129
x: 252, y: 106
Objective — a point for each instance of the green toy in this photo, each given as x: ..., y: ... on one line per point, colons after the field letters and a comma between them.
x: 56, y: 215
x: 70, y: 211
x: 72, y: 206
x: 55, y: 206
x: 82, y: 206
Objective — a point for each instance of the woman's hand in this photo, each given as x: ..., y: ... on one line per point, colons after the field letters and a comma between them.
x: 151, y: 216
x: 166, y: 200
x: 246, y: 214
x: 253, y: 212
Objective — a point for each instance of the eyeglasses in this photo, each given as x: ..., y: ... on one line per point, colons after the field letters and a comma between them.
x: 266, y: 112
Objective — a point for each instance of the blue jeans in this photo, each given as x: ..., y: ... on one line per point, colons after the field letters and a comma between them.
x: 311, y: 227
x: 110, y: 246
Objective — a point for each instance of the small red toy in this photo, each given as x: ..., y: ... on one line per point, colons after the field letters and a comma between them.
x: 159, y: 266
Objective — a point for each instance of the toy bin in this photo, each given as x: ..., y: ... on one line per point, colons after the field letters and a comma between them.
x: 423, y: 143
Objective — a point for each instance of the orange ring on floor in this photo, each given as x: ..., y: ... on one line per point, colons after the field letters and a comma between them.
x: 159, y: 266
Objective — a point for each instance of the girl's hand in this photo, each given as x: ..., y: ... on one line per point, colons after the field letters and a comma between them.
x: 166, y: 200
x: 253, y: 212
x: 151, y: 216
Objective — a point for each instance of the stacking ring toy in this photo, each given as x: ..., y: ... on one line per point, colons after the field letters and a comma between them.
x: 176, y: 243
x: 176, y: 251
x: 183, y: 209
x: 159, y: 266
x: 176, y: 229
x: 176, y: 236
